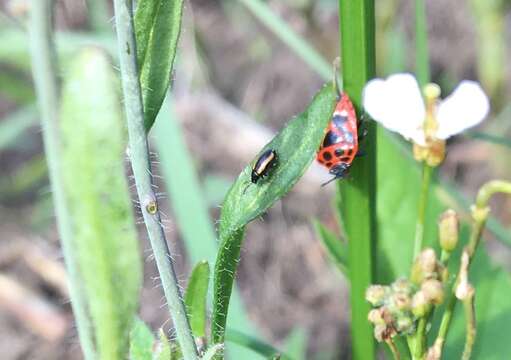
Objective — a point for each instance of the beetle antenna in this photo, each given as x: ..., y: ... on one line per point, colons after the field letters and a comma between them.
x: 329, y: 181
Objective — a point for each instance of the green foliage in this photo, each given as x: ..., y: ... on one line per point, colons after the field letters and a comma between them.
x: 296, y: 146
x: 105, y: 239
x: 358, y: 197
x: 141, y: 341
x: 254, y: 344
x: 195, y: 298
x: 191, y: 211
x: 157, y: 29
x: 334, y: 247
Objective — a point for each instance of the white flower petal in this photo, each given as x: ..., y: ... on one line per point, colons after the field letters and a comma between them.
x: 397, y: 104
x: 467, y: 106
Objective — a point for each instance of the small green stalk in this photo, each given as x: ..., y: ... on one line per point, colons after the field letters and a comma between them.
x: 140, y: 162
x: 358, y: 197
x: 470, y: 316
x: 421, y: 216
x: 480, y: 213
x: 44, y: 70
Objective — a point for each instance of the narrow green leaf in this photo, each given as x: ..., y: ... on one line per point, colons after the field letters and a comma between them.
x: 334, y: 247
x: 358, y: 196
x: 190, y: 210
x: 15, y: 123
x: 254, y: 344
x: 195, y: 298
x: 296, y: 146
x: 296, y: 344
x: 93, y: 144
x: 141, y: 341
x: 421, y: 43
x: 145, y: 18
x: 289, y: 37
x: 493, y: 139
x: 157, y: 28
x: 163, y: 349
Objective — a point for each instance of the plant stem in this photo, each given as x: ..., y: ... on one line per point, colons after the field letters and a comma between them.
x: 468, y: 305
x: 480, y: 213
x: 44, y: 71
x: 358, y: 197
x: 393, y: 349
x: 140, y: 162
x: 421, y: 43
x: 421, y: 215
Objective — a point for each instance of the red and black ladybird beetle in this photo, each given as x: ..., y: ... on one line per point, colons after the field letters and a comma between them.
x: 262, y: 166
x: 340, y: 144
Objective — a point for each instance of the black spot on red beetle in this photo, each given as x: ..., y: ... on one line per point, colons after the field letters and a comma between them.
x: 327, y: 155
x: 328, y: 164
x: 345, y: 159
x: 339, y: 152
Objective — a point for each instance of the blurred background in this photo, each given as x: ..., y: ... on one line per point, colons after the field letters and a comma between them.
x: 236, y: 83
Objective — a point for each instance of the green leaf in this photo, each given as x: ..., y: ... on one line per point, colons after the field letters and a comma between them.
x: 99, y: 200
x: 15, y: 124
x: 195, y: 298
x: 163, y: 349
x: 296, y: 344
x: 141, y: 341
x: 296, y: 146
x: 254, y: 344
x: 334, y: 247
x: 190, y: 209
x: 157, y: 29
x: 358, y: 196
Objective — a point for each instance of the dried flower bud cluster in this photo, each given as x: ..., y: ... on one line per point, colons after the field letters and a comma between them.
x: 392, y: 313
x: 397, y: 307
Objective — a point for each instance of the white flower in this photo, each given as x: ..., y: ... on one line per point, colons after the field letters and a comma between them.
x: 397, y: 104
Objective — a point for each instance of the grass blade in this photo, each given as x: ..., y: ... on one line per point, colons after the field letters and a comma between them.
x: 296, y: 146
x: 105, y: 238
x: 421, y: 43
x: 14, y: 124
x: 358, y: 196
x: 301, y: 47
x: 157, y: 28
x: 334, y: 247
x: 195, y: 298
x: 254, y: 344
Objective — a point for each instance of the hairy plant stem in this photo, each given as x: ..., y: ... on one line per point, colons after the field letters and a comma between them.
x: 44, y: 69
x: 421, y: 215
x: 480, y: 213
x: 140, y: 162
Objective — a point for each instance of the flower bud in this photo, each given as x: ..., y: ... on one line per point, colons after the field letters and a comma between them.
x: 424, y: 266
x: 405, y: 324
x: 376, y: 294
x: 402, y: 285
x: 383, y: 332
x: 420, y: 304
x: 375, y: 316
x: 448, y: 230
x: 433, y: 291
x: 401, y: 301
